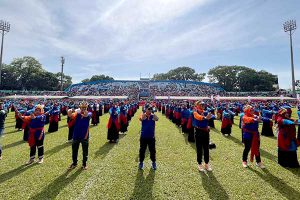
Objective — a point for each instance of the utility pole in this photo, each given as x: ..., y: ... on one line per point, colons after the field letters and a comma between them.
x: 62, y: 72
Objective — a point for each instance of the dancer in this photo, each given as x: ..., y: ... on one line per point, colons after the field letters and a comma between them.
x: 251, y: 137
x: 200, y: 123
x: 147, y: 138
x: 287, y: 141
x: 80, y: 134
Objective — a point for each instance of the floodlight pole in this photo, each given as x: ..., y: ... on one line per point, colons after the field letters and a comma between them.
x: 290, y: 26
x: 4, y: 27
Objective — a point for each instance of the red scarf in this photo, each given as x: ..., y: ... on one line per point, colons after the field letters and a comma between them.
x: 32, y: 131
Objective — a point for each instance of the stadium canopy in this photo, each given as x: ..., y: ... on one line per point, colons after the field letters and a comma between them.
x: 98, y: 97
x: 33, y: 97
x: 181, y: 98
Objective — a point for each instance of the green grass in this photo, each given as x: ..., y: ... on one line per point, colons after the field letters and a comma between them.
x: 113, y: 172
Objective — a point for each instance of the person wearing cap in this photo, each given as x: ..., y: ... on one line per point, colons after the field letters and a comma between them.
x: 2, y: 122
x: 200, y: 123
x: 251, y: 137
x: 147, y: 139
x: 287, y: 141
x: 36, y: 122
x: 80, y: 134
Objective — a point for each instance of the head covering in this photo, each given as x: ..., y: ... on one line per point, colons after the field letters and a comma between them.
x: 83, y: 104
x: 282, y: 111
x: 247, y: 109
x: 199, y: 105
x: 39, y: 106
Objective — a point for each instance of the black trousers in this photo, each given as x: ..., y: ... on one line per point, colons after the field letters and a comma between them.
x: 26, y: 133
x: 39, y: 144
x: 202, y: 145
x: 85, y: 150
x: 247, y: 144
x: 150, y: 142
x: 71, y: 130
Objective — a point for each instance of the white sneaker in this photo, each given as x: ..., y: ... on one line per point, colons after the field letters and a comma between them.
x: 245, y: 165
x: 201, y: 168
x: 260, y: 165
x: 208, y: 167
x: 40, y: 161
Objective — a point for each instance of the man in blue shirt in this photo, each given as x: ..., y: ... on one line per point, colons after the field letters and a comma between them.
x: 148, y: 119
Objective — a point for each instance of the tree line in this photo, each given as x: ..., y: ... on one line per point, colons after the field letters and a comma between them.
x: 27, y: 73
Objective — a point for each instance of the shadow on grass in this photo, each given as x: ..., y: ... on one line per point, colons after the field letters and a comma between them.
x: 263, y: 152
x: 295, y: 171
x: 63, y: 126
x: 10, y: 126
x: 14, y: 144
x: 212, y: 186
x: 52, y: 190
x: 104, y: 150
x: 15, y: 172
x: 14, y: 131
x: 57, y: 149
x: 287, y: 191
x: 143, y: 187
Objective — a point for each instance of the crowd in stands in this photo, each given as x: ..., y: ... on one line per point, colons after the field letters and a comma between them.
x: 33, y: 93
x: 143, y: 88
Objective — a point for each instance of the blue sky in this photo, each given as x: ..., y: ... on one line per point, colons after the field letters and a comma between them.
x: 123, y: 38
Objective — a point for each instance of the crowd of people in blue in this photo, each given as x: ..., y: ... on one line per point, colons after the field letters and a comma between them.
x: 195, y: 118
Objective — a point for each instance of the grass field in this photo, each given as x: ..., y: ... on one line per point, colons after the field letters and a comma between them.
x: 113, y: 172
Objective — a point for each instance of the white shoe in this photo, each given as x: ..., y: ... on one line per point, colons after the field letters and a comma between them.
x: 260, y: 165
x: 40, y: 161
x: 245, y: 165
x: 208, y: 167
x: 201, y: 168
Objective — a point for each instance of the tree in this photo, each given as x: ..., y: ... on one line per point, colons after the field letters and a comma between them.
x: 180, y: 73
x: 97, y: 78
x: 27, y: 73
x: 241, y: 78
x: 101, y: 77
x: 67, y: 80
x: 85, y: 80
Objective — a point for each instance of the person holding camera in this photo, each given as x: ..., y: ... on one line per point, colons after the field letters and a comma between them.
x: 200, y: 123
x: 147, y: 139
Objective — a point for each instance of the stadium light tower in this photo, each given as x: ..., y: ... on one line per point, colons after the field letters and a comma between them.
x: 290, y: 26
x: 62, y: 71
x: 4, y: 27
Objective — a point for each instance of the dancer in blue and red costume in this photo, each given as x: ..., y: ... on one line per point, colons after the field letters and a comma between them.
x: 36, y: 123
x: 54, y: 118
x: 200, y: 123
x: 25, y: 126
x: 123, y: 118
x: 81, y: 133
x: 251, y: 136
x: 113, y: 125
x: 227, y: 121
x: 267, y: 114
x: 287, y: 141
